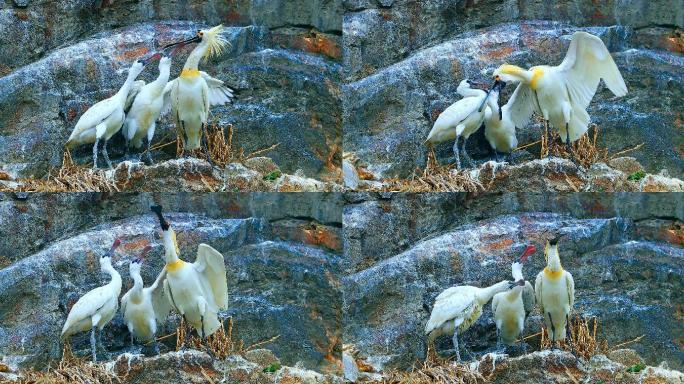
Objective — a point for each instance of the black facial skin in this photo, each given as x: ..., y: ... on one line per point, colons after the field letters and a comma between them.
x: 158, y: 210
x: 555, y: 240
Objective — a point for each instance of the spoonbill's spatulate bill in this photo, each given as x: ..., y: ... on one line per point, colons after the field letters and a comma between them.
x: 144, y: 308
x: 96, y: 308
x: 562, y: 93
x: 511, y: 308
x: 457, y: 308
x: 555, y: 293
x: 142, y: 116
x: 192, y: 94
x: 461, y: 119
x: 105, y: 118
x: 196, y: 290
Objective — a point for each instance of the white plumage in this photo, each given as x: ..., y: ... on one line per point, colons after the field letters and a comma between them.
x: 192, y: 94
x: 499, y: 126
x: 196, y: 290
x: 555, y: 293
x: 96, y: 308
x: 561, y: 94
x: 511, y: 308
x: 141, y: 118
x: 105, y: 118
x: 461, y: 119
x: 457, y: 308
x: 144, y: 308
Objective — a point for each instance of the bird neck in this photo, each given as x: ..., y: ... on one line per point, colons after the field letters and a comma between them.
x: 195, y: 56
x: 486, y: 294
x: 136, y: 290
x: 516, y: 73
x: 116, y: 278
x: 514, y: 293
x: 170, y: 246
x: 126, y: 87
x: 163, y: 78
x: 553, y: 262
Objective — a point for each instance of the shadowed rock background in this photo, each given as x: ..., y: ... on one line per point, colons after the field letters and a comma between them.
x: 404, y: 59
x: 625, y: 251
x: 282, y: 255
x: 58, y: 58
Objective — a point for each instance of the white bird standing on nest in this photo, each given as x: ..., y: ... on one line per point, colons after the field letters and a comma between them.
x: 461, y: 119
x: 96, y: 308
x: 144, y: 308
x: 192, y: 94
x: 457, y: 308
x: 196, y: 290
x: 142, y: 116
x: 105, y: 118
x: 561, y: 94
x: 499, y: 126
x: 555, y: 293
x: 511, y: 308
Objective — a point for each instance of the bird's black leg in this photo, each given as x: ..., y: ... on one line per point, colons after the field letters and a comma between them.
x: 465, y: 154
x: 205, y: 143
x: 547, y: 132
x: 126, y: 149
x: 97, y: 141
x: 498, y: 340
x: 455, y: 341
x: 106, y: 155
x: 553, y: 328
x: 568, y: 146
x: 93, y: 344
x: 568, y: 334
x: 496, y: 156
x: 457, y: 155
x: 149, y: 151
x: 185, y: 334
x: 509, y: 158
x: 185, y: 155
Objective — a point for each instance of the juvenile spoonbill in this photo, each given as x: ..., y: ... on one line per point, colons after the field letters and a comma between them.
x: 190, y: 95
x: 141, y: 118
x: 461, y: 119
x: 96, y: 308
x: 144, y: 308
x: 499, y: 126
x: 105, y: 118
x: 511, y: 308
x: 196, y: 290
x: 457, y: 308
x: 555, y: 293
x: 561, y: 94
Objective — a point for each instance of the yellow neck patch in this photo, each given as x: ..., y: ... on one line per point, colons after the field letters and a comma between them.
x: 553, y: 275
x: 537, y: 73
x: 189, y: 73
x: 176, y: 265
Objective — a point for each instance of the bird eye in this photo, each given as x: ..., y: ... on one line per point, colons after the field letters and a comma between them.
x: 200, y: 33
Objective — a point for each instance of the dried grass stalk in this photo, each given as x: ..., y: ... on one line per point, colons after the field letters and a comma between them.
x: 581, y: 340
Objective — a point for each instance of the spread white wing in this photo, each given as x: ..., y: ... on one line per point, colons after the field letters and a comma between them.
x: 132, y: 93
x: 166, y: 106
x: 522, y: 105
x: 211, y: 266
x: 528, y: 298
x: 455, y: 302
x: 160, y: 302
x: 586, y: 63
x: 219, y: 93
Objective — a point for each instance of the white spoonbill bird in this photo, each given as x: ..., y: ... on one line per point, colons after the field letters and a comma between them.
x: 555, y: 292
x: 190, y: 95
x: 96, y: 308
x: 461, y: 119
x: 142, y: 116
x: 457, y: 308
x: 511, y: 308
x: 144, y: 308
x: 105, y: 118
x: 561, y: 94
x: 196, y: 290
x: 499, y: 126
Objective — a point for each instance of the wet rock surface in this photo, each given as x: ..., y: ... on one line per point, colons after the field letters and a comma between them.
x: 627, y: 273
x: 389, y: 111
x: 286, y: 96
x: 38, y: 289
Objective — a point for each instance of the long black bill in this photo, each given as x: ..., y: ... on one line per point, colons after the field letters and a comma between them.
x: 501, y: 86
x: 195, y: 39
x: 496, y: 84
x: 158, y: 210
x: 152, y: 57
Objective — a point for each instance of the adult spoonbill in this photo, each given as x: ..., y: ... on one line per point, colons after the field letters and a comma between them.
x: 461, y: 119
x: 190, y: 95
x: 144, y: 308
x: 96, y: 308
x: 562, y: 93
x: 457, y: 308
x: 105, y: 118
x: 499, y: 126
x: 511, y: 308
x: 196, y: 290
x: 555, y: 292
x: 142, y: 116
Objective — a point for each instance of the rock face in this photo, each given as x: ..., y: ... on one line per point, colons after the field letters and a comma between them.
x: 290, y: 285
x: 286, y: 96
x: 390, y: 107
x: 625, y: 275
